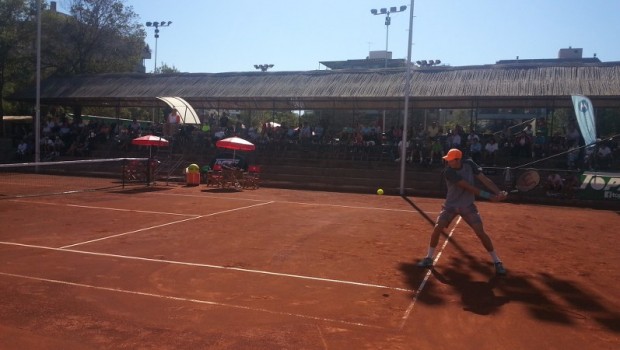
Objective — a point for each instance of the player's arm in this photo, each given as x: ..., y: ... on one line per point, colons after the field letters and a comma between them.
x: 480, y: 192
x: 499, y: 195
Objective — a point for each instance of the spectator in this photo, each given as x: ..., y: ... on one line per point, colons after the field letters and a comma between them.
x: 59, y: 146
x: 135, y: 128
x: 539, y: 146
x: 174, y: 118
x: 400, y: 147
x: 433, y: 130
x: 318, y: 134
x: 475, y: 149
x: 572, y: 156
x: 22, y: 150
x: 305, y: 134
x: 522, y: 146
x: 572, y: 136
x: 436, y: 151
x: 554, y: 184
x: 456, y: 140
x: 490, y: 152
x: 604, y: 156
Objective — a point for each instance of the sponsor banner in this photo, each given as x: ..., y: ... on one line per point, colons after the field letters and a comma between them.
x: 584, y: 111
x: 598, y: 186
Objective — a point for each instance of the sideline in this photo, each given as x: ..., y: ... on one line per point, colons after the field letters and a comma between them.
x: 231, y: 268
x: 197, y: 301
x: 428, y: 275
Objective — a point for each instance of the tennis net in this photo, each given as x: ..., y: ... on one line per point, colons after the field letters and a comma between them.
x: 48, y: 178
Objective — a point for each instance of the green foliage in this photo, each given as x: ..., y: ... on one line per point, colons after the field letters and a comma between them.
x: 460, y: 117
x: 99, y: 36
x: 608, y: 123
x: 165, y: 69
x: 14, y: 45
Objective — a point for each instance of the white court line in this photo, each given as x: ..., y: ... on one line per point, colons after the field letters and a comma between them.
x: 407, y: 312
x: 197, y: 301
x: 103, y: 208
x: 173, y: 262
x: 291, y: 202
x: 166, y: 224
x: 428, y: 275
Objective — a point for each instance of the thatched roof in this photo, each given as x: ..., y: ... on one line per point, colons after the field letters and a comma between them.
x: 489, y: 86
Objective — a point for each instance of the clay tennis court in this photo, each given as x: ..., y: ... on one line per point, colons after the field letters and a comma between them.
x: 175, y: 267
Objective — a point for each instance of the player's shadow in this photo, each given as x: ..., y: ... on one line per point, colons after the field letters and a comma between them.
x: 560, y: 301
x: 476, y: 296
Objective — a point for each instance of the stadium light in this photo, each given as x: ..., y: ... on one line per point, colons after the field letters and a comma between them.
x: 263, y: 67
x: 429, y: 63
x: 388, y: 21
x: 157, y: 25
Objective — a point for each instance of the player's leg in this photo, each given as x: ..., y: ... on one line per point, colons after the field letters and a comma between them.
x: 473, y: 219
x: 443, y: 220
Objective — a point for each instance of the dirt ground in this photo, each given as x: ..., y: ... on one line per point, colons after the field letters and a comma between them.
x: 177, y: 267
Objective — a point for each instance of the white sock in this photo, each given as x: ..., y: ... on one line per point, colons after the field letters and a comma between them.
x: 431, y: 252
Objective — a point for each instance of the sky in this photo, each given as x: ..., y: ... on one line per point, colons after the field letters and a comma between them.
x: 213, y: 36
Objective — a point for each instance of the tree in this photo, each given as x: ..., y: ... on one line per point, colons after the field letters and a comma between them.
x: 100, y: 36
x: 165, y: 69
x: 14, y: 43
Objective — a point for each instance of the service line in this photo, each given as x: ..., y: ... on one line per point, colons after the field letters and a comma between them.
x: 166, y: 224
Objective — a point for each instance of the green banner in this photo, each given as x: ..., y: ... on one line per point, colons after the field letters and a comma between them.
x: 597, y: 186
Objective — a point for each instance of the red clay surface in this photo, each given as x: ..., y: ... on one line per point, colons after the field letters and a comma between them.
x: 193, y: 268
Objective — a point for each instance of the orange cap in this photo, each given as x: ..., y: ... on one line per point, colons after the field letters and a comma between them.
x: 453, y: 154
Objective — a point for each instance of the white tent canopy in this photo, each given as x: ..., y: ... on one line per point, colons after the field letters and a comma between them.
x: 188, y: 114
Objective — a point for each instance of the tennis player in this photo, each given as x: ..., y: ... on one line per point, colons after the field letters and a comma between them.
x: 460, y: 175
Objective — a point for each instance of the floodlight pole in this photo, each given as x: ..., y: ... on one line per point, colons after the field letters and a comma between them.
x: 388, y: 21
x: 156, y: 25
x: 407, y: 93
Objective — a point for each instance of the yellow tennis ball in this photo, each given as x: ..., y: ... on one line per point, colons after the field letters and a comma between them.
x: 193, y: 168
x: 380, y: 191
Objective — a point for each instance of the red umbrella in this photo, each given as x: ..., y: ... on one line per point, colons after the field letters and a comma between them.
x: 236, y: 144
x: 150, y: 140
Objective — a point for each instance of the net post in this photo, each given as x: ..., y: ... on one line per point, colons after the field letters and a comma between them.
x: 507, y: 178
x: 148, y: 171
x: 123, y: 172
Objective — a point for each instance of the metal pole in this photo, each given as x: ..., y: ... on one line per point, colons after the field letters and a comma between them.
x: 156, y: 36
x: 387, y: 34
x: 37, y: 121
x: 407, y: 92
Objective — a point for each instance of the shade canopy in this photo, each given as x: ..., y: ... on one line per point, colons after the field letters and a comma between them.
x: 187, y: 112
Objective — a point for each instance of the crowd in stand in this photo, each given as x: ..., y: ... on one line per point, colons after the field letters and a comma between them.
x: 515, y: 144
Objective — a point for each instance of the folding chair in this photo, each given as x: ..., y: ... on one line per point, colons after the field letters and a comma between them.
x: 251, y: 179
x: 215, y: 177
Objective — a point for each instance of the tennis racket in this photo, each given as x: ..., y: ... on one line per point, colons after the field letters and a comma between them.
x: 526, y: 181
